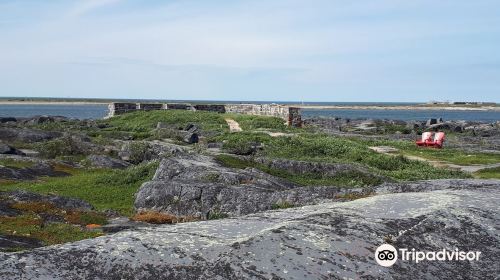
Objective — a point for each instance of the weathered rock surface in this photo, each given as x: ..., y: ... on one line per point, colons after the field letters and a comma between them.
x: 9, y: 150
x: 11, y: 242
x: 27, y: 135
x: 327, y: 241
x: 199, y: 186
x: 103, y: 161
x: 58, y: 201
x: 30, y: 173
x: 148, y: 150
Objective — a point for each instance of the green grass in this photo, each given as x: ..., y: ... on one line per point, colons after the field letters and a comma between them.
x: 489, y: 173
x: 345, y: 179
x: 8, y: 162
x: 53, y: 233
x: 282, y: 205
x: 249, y: 123
x: 325, y: 148
x: 104, y: 189
x: 451, y: 155
x: 145, y: 122
x: 141, y: 124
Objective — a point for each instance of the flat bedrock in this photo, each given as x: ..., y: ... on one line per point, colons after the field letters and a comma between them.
x: 327, y: 241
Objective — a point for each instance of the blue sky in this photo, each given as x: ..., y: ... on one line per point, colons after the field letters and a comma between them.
x: 363, y: 50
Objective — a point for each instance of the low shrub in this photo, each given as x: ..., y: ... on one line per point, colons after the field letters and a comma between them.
x: 35, y: 207
x: 154, y: 217
x: 64, y: 146
x: 138, y: 152
x: 216, y: 215
x: 85, y: 218
x: 282, y: 205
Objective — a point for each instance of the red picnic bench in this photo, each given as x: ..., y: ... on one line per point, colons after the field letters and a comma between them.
x: 429, y: 141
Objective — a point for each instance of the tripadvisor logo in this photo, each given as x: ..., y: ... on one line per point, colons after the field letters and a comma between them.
x: 386, y: 255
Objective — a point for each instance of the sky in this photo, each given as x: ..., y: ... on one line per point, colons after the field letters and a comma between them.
x: 274, y: 50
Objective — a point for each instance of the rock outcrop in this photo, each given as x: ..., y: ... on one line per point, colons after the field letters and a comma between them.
x: 26, y: 135
x: 58, y: 201
x: 327, y: 241
x: 30, y: 173
x: 9, y: 150
x: 103, y: 161
x: 199, y: 186
x: 308, y: 167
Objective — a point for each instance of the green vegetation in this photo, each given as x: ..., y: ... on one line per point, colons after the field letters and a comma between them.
x: 488, y: 173
x: 138, y: 151
x: 141, y: 125
x: 326, y: 148
x: 145, y: 122
x: 64, y: 146
x: 250, y: 123
x: 454, y: 156
x: 15, y: 163
x: 30, y: 225
x: 216, y: 215
x: 104, y: 189
x: 345, y: 179
x: 282, y: 205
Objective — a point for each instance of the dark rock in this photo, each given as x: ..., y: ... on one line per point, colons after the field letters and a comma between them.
x: 7, y: 119
x: 45, y: 119
x: 193, y: 128
x: 433, y: 121
x: 8, y: 150
x: 58, y: 201
x: 103, y: 161
x: 440, y: 126
x: 327, y: 241
x: 11, y: 242
x: 216, y: 145
x: 26, y: 135
x: 6, y: 210
x: 198, y: 186
x: 136, y: 152
x: 30, y: 173
x: 122, y: 223
x: 191, y: 138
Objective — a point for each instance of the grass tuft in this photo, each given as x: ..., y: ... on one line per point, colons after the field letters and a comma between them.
x: 154, y: 217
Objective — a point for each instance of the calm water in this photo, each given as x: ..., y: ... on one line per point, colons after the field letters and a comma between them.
x: 96, y: 111
x: 93, y: 111
x: 484, y: 116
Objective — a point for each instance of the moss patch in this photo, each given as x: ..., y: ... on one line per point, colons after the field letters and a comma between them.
x: 104, y: 189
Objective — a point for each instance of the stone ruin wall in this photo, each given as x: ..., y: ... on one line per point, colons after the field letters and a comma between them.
x: 291, y: 115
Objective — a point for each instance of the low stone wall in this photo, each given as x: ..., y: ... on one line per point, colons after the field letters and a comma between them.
x: 178, y: 106
x: 149, y: 106
x: 121, y: 108
x: 291, y: 115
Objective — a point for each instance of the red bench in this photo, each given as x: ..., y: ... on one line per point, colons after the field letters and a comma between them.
x: 428, y: 141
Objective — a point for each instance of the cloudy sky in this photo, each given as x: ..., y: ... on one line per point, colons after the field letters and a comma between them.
x: 331, y: 50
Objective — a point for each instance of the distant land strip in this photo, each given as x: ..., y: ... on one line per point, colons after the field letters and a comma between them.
x: 375, y: 106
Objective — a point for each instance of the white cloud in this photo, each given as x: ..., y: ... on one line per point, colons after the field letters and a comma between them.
x: 86, y: 6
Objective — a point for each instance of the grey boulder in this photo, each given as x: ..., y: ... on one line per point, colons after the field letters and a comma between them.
x: 327, y: 241
x: 199, y: 186
x: 103, y: 161
x: 27, y: 135
x: 9, y: 150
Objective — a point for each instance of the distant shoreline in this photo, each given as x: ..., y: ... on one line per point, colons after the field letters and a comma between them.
x: 422, y: 107
x: 3, y: 102
x: 396, y: 107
